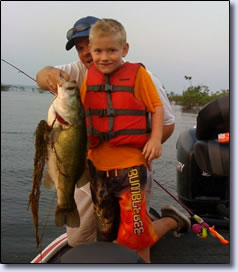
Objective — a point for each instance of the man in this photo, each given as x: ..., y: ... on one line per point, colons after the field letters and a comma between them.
x: 48, y: 78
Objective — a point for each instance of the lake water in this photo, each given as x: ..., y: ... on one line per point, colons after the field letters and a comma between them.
x: 21, y: 111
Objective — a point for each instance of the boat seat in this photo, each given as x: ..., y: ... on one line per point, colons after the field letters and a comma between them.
x: 212, y: 157
x: 213, y: 118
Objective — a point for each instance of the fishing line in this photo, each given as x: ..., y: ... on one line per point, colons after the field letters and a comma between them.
x: 202, y: 231
x: 20, y: 71
x: 45, y: 220
x: 180, y: 203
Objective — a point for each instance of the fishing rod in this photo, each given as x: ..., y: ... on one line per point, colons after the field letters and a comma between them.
x: 20, y: 71
x: 201, y: 228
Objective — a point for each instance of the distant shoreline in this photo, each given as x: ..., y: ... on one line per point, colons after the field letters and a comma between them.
x: 19, y: 85
x: 9, y: 88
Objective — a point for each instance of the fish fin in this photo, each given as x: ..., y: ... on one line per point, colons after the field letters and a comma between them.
x: 54, y: 134
x: 67, y: 217
x: 48, y: 182
x: 84, y: 179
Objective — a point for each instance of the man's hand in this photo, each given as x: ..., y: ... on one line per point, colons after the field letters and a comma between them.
x: 56, y: 77
x: 49, y: 77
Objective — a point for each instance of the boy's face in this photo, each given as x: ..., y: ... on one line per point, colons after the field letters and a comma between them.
x: 107, y: 53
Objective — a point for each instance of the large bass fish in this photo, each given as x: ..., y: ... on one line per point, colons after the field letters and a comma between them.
x: 62, y: 143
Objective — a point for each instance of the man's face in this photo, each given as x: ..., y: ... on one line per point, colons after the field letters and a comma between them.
x: 81, y: 45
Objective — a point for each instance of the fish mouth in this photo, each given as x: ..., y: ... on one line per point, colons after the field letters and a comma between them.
x: 70, y: 85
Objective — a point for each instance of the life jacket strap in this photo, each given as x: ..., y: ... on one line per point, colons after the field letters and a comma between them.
x: 111, y: 134
x: 114, y: 112
x: 109, y: 88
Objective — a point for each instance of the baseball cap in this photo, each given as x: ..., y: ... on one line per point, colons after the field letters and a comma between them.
x: 80, y: 29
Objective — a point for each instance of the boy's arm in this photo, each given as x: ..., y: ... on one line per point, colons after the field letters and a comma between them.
x: 153, y: 147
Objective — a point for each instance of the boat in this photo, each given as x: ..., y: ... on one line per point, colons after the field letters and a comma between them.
x: 187, y: 249
x: 93, y: 252
x: 203, y: 163
x: 202, y: 185
x: 52, y: 249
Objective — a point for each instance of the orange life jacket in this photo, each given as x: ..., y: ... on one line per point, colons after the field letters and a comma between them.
x: 112, y: 112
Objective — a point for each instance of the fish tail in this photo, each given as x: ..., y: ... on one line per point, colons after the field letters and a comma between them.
x: 68, y: 217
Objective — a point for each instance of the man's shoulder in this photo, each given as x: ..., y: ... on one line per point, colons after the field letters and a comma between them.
x: 76, y: 65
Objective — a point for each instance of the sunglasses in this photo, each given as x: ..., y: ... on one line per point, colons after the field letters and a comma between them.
x: 76, y: 29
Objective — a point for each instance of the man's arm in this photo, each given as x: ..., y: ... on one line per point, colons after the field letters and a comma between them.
x: 169, y: 118
x: 167, y: 132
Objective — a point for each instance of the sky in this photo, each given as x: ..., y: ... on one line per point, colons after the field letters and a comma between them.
x: 171, y: 38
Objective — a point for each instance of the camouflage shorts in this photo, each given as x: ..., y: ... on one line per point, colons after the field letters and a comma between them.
x: 120, y: 207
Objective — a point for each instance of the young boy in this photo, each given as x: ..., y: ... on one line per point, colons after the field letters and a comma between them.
x: 117, y: 97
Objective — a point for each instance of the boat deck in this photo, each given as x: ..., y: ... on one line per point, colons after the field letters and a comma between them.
x: 189, y: 249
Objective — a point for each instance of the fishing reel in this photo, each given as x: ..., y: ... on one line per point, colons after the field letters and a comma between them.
x: 199, y: 230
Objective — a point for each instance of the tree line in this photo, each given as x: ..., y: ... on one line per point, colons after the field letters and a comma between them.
x: 195, y: 96
x: 6, y: 87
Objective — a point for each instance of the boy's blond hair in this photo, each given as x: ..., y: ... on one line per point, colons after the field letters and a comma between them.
x: 108, y: 27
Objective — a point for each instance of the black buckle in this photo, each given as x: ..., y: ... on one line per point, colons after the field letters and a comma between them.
x: 107, y: 136
x: 108, y: 87
x: 107, y: 113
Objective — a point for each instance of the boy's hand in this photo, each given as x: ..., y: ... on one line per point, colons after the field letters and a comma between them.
x: 152, y: 150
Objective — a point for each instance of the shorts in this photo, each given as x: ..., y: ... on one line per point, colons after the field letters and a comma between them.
x: 120, y: 206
